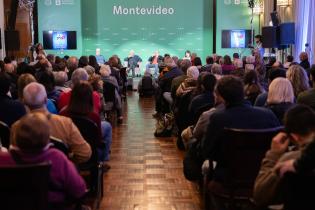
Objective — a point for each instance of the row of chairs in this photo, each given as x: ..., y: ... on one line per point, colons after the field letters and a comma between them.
x: 27, y: 190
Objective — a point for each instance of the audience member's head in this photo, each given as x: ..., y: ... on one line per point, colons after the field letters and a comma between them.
x: 61, y: 66
x: 51, y: 58
x: 197, y: 61
x: 96, y: 82
x: 251, y: 77
x: 72, y: 63
x: 9, y: 68
x: 231, y: 89
x: 208, y: 81
x: 175, y: 58
x: 61, y: 78
x: 169, y: 62
x: 299, y: 79
x: 216, y: 69
x: 275, y: 73
x: 193, y: 72
x: 277, y: 64
x: 236, y: 56
x: 113, y: 61
x: 47, y: 79
x: 105, y: 71
x: 90, y: 70
x: 227, y: 60
x: 7, y: 60
x: 93, y: 61
x: 81, y: 101
x: 209, y: 60
x: 280, y: 91
x: 299, y: 123
x: 83, y: 61
x: 303, y: 56
x: 184, y: 65
x: 32, y: 133
x: 35, y: 96
x: 79, y: 75
x: 5, y: 83
x: 23, y: 81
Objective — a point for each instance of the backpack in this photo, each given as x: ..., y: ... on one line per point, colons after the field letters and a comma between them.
x: 164, y: 126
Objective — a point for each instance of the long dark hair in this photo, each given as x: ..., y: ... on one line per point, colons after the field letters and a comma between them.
x: 81, y: 101
x: 93, y: 63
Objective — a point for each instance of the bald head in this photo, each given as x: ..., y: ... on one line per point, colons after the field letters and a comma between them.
x: 35, y: 96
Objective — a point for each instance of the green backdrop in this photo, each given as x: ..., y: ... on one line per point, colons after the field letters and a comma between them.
x: 189, y: 27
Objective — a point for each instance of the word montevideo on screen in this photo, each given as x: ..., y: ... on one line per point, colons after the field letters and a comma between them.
x: 154, y: 10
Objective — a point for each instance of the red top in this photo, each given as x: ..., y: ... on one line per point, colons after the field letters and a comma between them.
x: 64, y: 100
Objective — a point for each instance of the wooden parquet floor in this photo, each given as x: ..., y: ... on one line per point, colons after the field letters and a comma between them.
x: 146, y: 172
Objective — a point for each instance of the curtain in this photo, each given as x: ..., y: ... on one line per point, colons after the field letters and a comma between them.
x: 268, y: 8
x: 305, y: 27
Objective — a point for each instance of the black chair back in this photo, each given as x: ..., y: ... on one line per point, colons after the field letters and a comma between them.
x: 89, y: 131
x: 4, y: 134
x: 109, y: 92
x: 244, y: 150
x: 298, y: 191
x: 24, y: 187
x: 59, y: 145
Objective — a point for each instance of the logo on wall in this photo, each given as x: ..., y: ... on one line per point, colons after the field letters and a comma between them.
x: 48, y: 2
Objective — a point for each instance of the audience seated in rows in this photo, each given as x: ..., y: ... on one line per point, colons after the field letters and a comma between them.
x: 238, y: 114
x: 82, y: 93
x: 35, y: 98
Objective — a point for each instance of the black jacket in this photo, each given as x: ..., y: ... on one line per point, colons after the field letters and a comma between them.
x: 10, y: 110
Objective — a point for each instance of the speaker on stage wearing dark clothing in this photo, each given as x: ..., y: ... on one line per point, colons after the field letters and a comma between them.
x: 12, y: 40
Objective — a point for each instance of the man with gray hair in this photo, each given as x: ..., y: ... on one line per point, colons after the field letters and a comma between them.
x: 79, y: 75
x: 35, y: 98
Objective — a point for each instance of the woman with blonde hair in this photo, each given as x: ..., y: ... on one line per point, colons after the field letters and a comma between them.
x: 280, y: 97
x: 298, y: 78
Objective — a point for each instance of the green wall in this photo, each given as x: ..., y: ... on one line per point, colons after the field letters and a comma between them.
x: 231, y: 16
x: 190, y: 27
